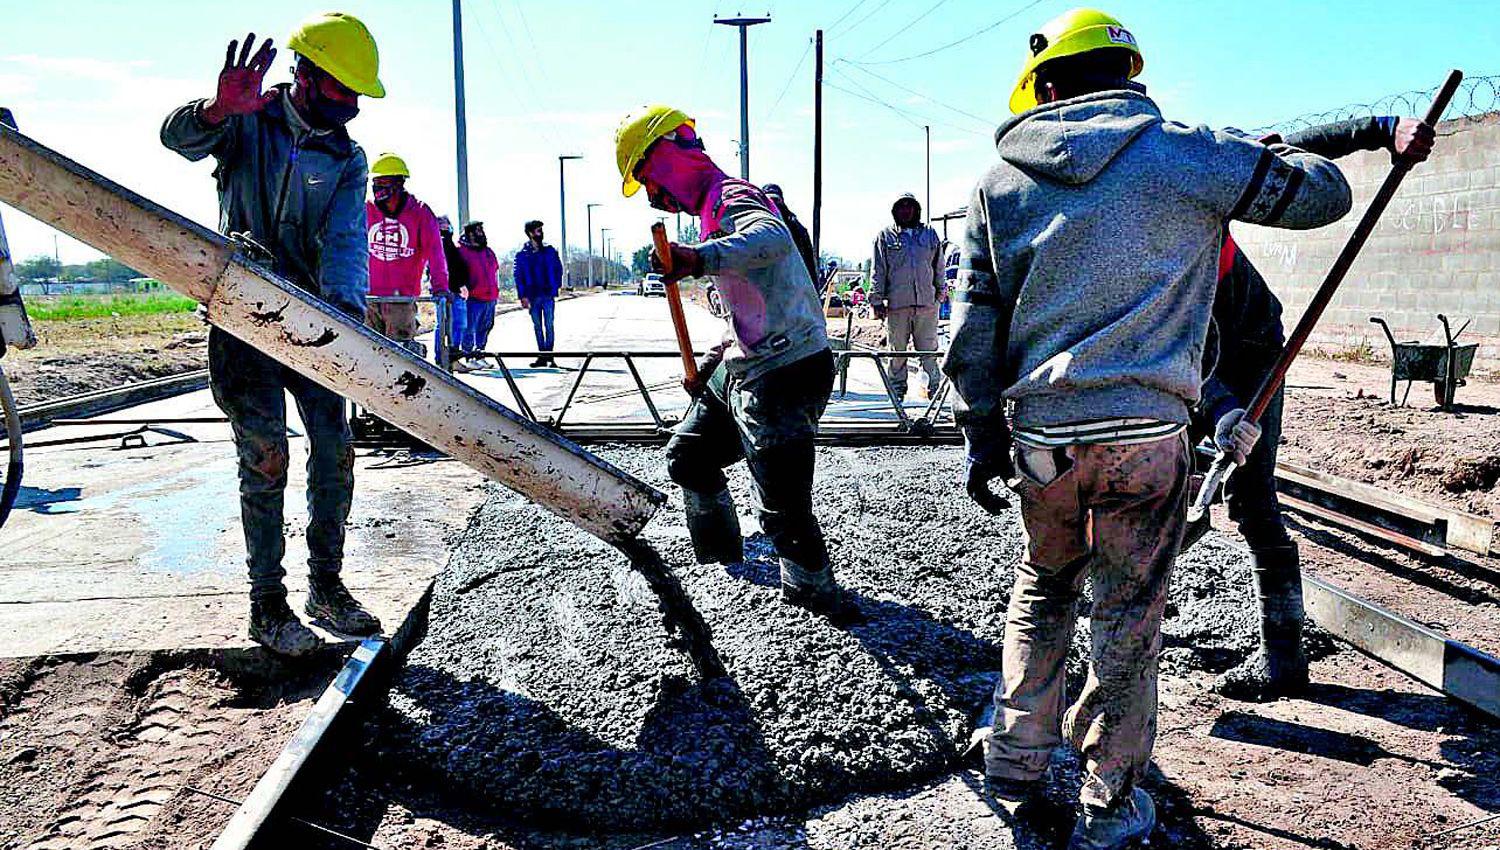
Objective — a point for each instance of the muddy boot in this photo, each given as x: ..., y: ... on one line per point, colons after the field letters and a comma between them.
x: 330, y: 603
x: 814, y: 590
x: 1279, y: 667
x: 1129, y: 819
x: 275, y: 627
x: 714, y: 527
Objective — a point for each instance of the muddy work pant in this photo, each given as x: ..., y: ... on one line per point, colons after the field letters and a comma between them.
x: 394, y: 319
x: 914, y: 327
x: 251, y: 389
x: 1113, y: 514
x: 770, y: 422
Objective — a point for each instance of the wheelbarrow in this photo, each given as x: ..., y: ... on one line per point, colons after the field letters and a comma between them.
x: 1445, y: 366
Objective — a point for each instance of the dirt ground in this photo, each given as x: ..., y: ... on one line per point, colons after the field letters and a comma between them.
x: 84, y: 355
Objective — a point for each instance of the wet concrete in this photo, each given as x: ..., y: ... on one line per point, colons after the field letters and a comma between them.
x: 549, y: 690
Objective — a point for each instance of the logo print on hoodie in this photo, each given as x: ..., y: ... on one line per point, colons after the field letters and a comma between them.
x: 389, y: 240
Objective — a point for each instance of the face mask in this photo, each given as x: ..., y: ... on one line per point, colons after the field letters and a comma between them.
x: 326, y: 114
x: 662, y: 200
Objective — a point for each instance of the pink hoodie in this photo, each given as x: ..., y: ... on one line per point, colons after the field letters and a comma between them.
x: 401, y: 246
x: 484, y: 272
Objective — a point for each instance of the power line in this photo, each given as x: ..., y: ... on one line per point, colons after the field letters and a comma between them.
x: 971, y: 36
x: 548, y: 127
x: 877, y: 102
x: 906, y: 27
x: 846, y: 14
x: 916, y: 119
x: 854, y: 26
x: 789, y: 79
x: 928, y: 98
x: 703, y: 54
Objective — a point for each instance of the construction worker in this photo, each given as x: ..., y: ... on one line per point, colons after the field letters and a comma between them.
x: 538, y: 273
x: 1086, y: 284
x: 457, y: 296
x: 404, y: 239
x: 482, y: 268
x: 906, y: 285
x: 292, y: 182
x: 794, y: 224
x: 1244, y: 341
x: 761, y: 392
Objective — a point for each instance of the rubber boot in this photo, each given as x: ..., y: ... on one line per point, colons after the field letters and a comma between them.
x: 1278, y: 668
x: 714, y: 527
x: 1130, y: 818
x: 814, y: 590
x: 329, y: 602
x: 275, y: 627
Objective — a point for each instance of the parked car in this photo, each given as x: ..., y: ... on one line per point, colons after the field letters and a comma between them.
x: 652, y: 285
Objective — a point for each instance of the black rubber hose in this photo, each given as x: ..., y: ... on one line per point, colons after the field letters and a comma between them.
x: 13, y: 470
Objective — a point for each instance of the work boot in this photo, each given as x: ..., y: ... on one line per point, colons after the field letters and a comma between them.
x: 1278, y: 668
x: 1130, y: 818
x: 329, y: 601
x: 275, y: 627
x: 814, y: 590
x: 539, y: 363
x: 714, y: 527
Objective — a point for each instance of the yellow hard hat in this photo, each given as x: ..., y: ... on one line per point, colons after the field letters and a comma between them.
x: 640, y: 130
x: 389, y: 165
x: 1070, y: 34
x: 340, y: 44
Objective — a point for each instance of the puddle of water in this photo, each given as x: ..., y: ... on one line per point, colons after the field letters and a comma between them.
x: 179, y: 516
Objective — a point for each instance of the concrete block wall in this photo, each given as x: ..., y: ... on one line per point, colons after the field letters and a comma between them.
x: 1436, y: 250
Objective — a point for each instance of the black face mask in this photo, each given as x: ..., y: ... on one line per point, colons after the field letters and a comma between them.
x: 326, y: 114
x: 663, y: 200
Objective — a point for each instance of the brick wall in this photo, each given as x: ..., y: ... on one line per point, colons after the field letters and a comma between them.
x: 1436, y: 249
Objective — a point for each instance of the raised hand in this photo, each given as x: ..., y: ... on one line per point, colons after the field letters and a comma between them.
x: 239, y: 91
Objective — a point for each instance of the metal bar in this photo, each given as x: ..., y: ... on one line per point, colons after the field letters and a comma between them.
x: 309, y: 336
x: 645, y: 393
x: 557, y: 415
x: 1363, y: 527
x: 1455, y: 668
x: 103, y: 401
x: 890, y: 392
x: 515, y: 389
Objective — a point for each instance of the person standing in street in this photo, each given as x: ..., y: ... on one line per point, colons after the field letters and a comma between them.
x: 482, y: 268
x: 404, y: 240
x: 538, y: 276
x: 1086, y: 284
x: 760, y: 392
x: 290, y: 179
x: 906, y: 286
x: 456, y: 297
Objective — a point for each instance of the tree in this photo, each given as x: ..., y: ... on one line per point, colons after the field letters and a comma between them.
x: 640, y: 261
x: 690, y: 234
x: 38, y: 269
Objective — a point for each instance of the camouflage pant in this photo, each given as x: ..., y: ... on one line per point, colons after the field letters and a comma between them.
x: 1115, y: 514
x: 251, y: 389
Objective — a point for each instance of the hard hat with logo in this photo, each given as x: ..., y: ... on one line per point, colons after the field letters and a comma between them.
x: 639, y: 131
x: 389, y: 165
x: 340, y: 44
x: 1069, y: 34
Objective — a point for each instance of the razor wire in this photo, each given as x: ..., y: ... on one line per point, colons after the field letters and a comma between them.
x: 1476, y: 96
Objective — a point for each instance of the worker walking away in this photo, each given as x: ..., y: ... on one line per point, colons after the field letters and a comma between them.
x: 1245, y: 339
x: 291, y: 181
x: 794, y: 224
x: 907, y: 284
x: 404, y: 240
x: 1086, y: 284
x: 761, y: 392
x: 482, y: 268
x: 538, y: 274
x: 456, y: 297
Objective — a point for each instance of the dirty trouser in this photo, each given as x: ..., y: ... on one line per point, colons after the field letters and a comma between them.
x: 1115, y: 514
x: 251, y: 389
x: 917, y: 327
x: 770, y: 422
x: 542, y: 310
x: 395, y: 319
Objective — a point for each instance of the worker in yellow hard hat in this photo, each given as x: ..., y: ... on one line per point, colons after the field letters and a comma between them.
x: 760, y: 392
x: 292, y: 181
x: 1087, y: 279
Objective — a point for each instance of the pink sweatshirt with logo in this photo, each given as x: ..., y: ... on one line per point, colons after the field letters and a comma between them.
x: 401, y: 246
x: 484, y: 272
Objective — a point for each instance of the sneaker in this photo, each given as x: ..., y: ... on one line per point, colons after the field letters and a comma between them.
x: 275, y: 627
x: 1129, y: 819
x: 461, y: 366
x: 329, y: 601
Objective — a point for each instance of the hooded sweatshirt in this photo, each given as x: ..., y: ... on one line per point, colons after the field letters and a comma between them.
x: 1091, y: 255
x: 907, y: 268
x: 401, y: 245
x: 483, y: 270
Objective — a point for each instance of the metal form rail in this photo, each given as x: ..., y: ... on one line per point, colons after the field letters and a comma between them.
x: 41, y: 415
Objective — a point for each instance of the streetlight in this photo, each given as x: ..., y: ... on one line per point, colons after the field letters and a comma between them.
x: 609, y: 272
x: 744, y: 24
x: 562, y: 207
x: 589, y: 211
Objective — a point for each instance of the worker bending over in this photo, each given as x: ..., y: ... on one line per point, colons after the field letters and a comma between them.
x: 1087, y: 280
x: 1244, y: 342
x: 404, y: 240
x: 761, y: 392
x: 292, y: 181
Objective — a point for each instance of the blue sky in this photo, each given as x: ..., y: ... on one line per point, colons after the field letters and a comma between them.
x: 94, y: 79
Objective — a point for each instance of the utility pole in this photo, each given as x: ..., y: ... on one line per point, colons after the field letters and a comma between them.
x: 817, y: 214
x: 744, y: 25
x: 927, y: 207
x: 461, y: 124
x: 589, y: 211
x: 609, y: 270
x: 562, y: 208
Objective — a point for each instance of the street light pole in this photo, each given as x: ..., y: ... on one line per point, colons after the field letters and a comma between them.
x: 744, y: 25
x: 562, y: 209
x: 609, y: 271
x: 589, y: 211
x: 461, y: 126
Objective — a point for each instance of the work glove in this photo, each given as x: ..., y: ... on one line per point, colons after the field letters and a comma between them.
x: 240, y: 82
x: 1236, y: 436
x: 1412, y: 142
x: 686, y: 262
x: 979, y: 472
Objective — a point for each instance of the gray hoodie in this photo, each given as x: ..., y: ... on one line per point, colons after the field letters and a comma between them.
x: 907, y: 268
x: 1091, y: 256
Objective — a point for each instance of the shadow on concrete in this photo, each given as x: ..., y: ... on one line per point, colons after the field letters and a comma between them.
x: 42, y: 501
